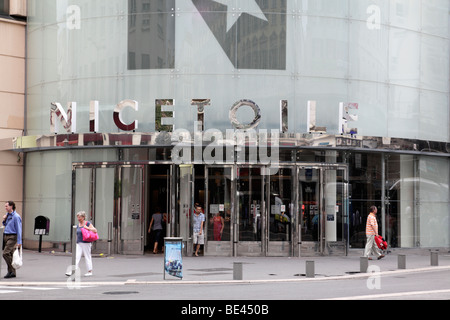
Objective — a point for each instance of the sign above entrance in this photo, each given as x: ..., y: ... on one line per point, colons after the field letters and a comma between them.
x: 165, y: 116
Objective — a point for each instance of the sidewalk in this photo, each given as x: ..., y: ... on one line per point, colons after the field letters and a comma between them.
x: 50, y: 268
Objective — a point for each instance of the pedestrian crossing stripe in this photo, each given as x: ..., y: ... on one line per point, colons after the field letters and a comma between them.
x: 6, y: 289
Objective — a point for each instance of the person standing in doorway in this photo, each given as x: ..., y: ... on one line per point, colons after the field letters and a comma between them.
x: 12, y: 236
x: 371, y: 232
x: 199, y: 221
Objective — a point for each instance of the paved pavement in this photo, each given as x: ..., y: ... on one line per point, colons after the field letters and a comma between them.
x: 50, y: 267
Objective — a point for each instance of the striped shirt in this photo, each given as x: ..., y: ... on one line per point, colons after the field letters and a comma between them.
x: 371, y: 225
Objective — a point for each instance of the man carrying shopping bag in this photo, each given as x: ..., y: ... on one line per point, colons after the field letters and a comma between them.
x: 371, y: 232
x: 12, y: 236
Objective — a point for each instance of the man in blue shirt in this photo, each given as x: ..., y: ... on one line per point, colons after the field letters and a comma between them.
x: 12, y: 235
x: 199, y: 220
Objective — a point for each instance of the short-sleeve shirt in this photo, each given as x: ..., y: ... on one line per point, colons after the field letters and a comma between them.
x: 371, y: 225
x: 198, y: 219
x: 157, y: 221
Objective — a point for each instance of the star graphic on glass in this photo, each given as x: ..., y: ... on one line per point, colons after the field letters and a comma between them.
x: 245, y: 6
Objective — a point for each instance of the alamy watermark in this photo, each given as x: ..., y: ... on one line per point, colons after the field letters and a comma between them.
x: 249, y: 146
x: 374, y: 281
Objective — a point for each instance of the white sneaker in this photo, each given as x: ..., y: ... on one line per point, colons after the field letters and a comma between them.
x: 89, y: 274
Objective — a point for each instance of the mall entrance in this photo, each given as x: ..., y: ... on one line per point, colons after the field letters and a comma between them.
x: 120, y: 200
x: 299, y: 210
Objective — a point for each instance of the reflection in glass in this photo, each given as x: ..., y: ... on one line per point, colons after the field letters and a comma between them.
x: 255, y: 40
x: 151, y: 34
x: 309, y: 205
x: 280, y: 217
x: 219, y: 204
x: 250, y: 204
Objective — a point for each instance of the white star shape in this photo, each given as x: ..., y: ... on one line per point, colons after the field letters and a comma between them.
x: 245, y: 6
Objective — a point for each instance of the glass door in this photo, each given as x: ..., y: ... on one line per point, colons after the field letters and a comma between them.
x: 220, y: 187
x: 93, y: 192
x: 279, y: 231
x: 132, y: 213
x: 250, y: 208
x: 323, y: 207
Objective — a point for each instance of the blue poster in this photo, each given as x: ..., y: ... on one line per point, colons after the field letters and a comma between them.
x: 173, y: 263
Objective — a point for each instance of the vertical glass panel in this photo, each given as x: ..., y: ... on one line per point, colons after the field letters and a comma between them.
x: 325, y: 7
x: 83, y: 178
x: 369, y: 52
x: 404, y: 53
x: 4, y: 7
x: 309, y: 204
x: 434, y: 63
x: 365, y: 178
x: 151, y: 34
x: 434, y: 115
x: 185, y: 201
x: 104, y: 200
x: 403, y: 112
x: 250, y: 204
x: 435, y: 17
x: 324, y: 51
x: 371, y: 122
x: 405, y: 14
x: 400, y: 190
x: 281, y: 215
x: 219, y: 204
x: 335, y: 201
x: 433, y: 199
x: 132, y: 214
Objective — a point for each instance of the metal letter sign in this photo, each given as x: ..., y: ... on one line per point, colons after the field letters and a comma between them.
x: 118, y: 115
x: 67, y: 119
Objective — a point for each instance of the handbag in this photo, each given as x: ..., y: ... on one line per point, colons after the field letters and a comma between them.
x: 17, y: 258
x: 88, y: 235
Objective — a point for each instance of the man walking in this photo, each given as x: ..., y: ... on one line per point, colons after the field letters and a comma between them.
x: 371, y: 232
x: 12, y: 236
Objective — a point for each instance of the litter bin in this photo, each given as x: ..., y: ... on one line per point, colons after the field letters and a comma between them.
x: 41, y: 227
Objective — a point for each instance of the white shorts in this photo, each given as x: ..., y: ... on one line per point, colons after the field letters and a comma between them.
x: 199, y: 238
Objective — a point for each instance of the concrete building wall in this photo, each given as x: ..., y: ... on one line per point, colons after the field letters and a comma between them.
x: 12, y: 99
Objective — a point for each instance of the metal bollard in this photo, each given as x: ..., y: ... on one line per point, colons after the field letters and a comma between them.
x: 310, y: 272
x: 237, y: 271
x: 434, y: 258
x: 363, y: 264
x: 74, y: 247
x: 401, y: 262
x: 110, y: 237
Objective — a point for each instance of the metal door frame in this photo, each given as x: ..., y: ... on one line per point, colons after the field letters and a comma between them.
x: 322, y: 243
x: 287, y: 247
x: 114, y: 232
x: 227, y: 244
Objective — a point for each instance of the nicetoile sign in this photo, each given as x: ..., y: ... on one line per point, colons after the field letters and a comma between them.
x: 165, y: 116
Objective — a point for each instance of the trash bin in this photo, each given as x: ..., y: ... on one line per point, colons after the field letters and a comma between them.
x: 41, y: 227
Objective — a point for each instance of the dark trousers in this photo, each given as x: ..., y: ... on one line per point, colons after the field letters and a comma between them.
x: 9, y: 241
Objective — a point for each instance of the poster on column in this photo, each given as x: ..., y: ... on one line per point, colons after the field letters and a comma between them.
x: 173, y: 262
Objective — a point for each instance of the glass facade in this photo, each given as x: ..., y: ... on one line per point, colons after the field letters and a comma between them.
x: 4, y: 7
x: 391, y: 57
x: 149, y: 63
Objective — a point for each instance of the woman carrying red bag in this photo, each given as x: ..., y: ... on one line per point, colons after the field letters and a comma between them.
x: 84, y: 247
